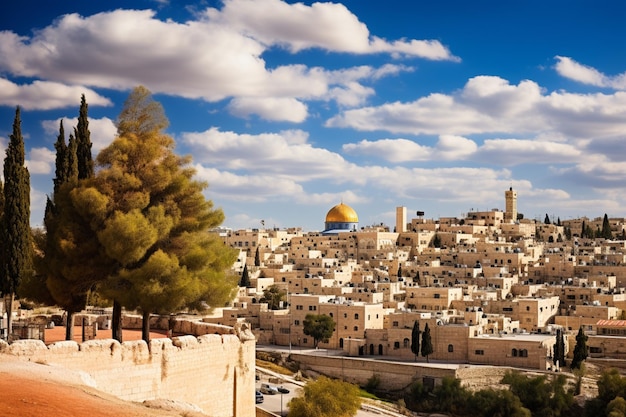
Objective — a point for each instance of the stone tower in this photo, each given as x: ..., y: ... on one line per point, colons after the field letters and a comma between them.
x: 510, y: 213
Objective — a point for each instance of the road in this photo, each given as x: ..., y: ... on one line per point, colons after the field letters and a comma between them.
x: 278, y: 403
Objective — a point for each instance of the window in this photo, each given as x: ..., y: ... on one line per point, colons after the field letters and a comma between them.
x: 356, y: 328
x: 395, y: 324
x: 514, y: 353
x: 437, y: 296
x: 450, y: 348
x: 479, y: 352
x: 345, y: 315
x: 330, y: 314
x: 296, y: 322
x: 356, y: 316
x: 312, y: 308
x: 405, y: 343
x: 299, y: 307
x: 304, y: 340
x: 396, y: 345
x: 523, y: 353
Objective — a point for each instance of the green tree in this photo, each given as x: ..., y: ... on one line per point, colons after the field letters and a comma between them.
x: 83, y: 142
x: 436, y: 241
x: 257, y: 257
x: 580, y: 350
x: 326, y: 397
x: 17, y: 244
x: 606, y: 228
x: 547, y: 219
x: 539, y: 394
x: 152, y: 220
x: 583, y: 230
x: 245, y: 277
x: 497, y: 403
x: 427, y: 343
x: 616, y: 408
x: 274, y: 297
x: 415, y: 339
x: 319, y: 326
x: 558, y: 356
x: 71, y: 263
x: 450, y: 396
x: 399, y: 274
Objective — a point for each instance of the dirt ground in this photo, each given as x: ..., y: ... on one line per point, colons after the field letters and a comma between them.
x: 36, y: 390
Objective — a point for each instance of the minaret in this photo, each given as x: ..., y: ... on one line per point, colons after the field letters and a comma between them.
x: 510, y: 198
x: 400, y: 219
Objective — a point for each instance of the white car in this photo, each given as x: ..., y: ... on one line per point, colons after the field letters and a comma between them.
x: 269, y: 389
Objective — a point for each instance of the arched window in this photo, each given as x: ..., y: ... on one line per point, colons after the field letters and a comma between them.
x: 514, y: 353
x: 450, y: 348
x: 406, y: 342
x: 396, y: 345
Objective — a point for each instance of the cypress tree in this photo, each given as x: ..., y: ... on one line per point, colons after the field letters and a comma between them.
x: 415, y: 339
x: 580, y: 350
x: 245, y: 277
x: 427, y: 343
x: 606, y: 228
x: 83, y: 141
x: 257, y: 257
x: 16, y: 234
x: 559, y: 349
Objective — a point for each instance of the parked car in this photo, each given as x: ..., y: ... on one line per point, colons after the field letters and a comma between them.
x: 268, y: 389
x: 282, y: 390
x: 259, y: 397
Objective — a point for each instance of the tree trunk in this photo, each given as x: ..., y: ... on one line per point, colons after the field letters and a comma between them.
x: 116, y: 321
x: 69, y: 325
x: 145, y: 327
x: 8, y: 306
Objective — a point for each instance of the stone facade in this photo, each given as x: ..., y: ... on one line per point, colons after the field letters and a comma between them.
x: 214, y: 371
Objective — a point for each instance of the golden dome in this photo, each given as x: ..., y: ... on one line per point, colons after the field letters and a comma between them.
x: 342, y: 213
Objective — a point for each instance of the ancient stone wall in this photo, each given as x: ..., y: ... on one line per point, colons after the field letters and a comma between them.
x: 214, y: 371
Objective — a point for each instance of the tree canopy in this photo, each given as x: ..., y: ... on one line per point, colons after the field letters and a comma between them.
x: 152, y: 221
x: 427, y: 343
x: 326, y: 397
x: 580, y: 350
x: 16, y: 249
x: 274, y: 297
x: 319, y: 326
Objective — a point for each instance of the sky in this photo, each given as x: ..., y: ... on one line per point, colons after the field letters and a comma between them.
x: 289, y: 108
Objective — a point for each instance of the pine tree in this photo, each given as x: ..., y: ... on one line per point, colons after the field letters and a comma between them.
x: 399, y: 275
x: 547, y: 219
x: 415, y: 339
x: 583, y: 230
x: 427, y: 343
x: 16, y: 251
x: 580, y: 350
x: 153, y: 221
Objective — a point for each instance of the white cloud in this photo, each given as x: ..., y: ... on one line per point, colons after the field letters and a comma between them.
x: 568, y: 68
x: 329, y: 26
x: 46, y: 95
x: 215, y: 57
x: 276, y: 109
x: 286, y: 154
x: 40, y: 161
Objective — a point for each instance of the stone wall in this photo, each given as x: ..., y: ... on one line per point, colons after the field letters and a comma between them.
x: 214, y: 371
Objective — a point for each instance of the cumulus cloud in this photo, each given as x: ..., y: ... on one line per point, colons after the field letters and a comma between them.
x: 491, y: 104
x: 448, y: 148
x: 568, y: 68
x: 218, y: 55
x: 329, y: 26
x: 46, y: 95
x: 286, y: 109
x: 281, y: 154
x: 40, y: 161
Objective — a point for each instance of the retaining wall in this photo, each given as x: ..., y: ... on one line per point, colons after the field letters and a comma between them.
x: 213, y: 371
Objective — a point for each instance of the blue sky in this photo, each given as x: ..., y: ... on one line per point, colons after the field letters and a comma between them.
x: 290, y: 108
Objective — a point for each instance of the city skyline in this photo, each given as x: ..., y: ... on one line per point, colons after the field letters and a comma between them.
x: 290, y: 108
